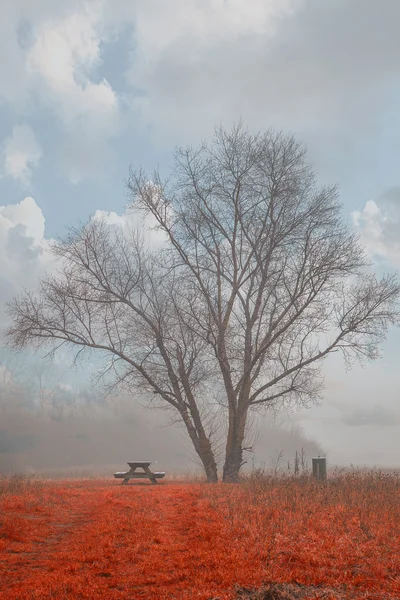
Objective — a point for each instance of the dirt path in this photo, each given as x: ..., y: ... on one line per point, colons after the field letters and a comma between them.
x: 51, y: 532
x: 89, y: 536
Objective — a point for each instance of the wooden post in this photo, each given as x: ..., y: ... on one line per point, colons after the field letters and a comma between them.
x: 319, y: 468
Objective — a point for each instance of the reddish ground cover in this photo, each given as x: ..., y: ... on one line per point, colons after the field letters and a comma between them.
x: 98, y: 539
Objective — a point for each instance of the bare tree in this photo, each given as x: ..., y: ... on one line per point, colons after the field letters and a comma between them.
x: 279, y: 280
x: 113, y: 294
x: 259, y: 281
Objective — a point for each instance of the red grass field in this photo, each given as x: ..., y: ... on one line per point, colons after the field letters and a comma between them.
x: 98, y: 539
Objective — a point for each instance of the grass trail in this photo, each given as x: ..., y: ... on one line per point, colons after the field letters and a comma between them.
x: 98, y: 539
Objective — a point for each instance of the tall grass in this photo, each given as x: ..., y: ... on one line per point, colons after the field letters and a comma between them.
x: 267, y: 504
x: 18, y: 484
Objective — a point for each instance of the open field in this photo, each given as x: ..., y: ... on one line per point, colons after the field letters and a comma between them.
x: 98, y: 539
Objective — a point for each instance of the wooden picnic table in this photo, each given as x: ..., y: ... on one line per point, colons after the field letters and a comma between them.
x: 133, y: 474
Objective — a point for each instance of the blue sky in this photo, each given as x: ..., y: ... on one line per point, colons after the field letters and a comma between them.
x: 90, y: 88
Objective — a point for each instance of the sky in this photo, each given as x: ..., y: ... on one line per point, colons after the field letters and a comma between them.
x: 89, y: 89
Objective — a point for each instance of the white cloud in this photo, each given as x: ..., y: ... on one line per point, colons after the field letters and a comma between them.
x: 26, y: 213
x: 160, y: 25
x: 56, y: 49
x: 378, y: 224
x: 21, y: 153
x: 191, y: 64
x: 62, y: 58
x: 18, y: 23
x: 63, y: 55
x: 53, y: 50
x: 25, y: 250
x: 274, y: 63
x: 24, y: 255
x: 143, y: 225
x: 192, y: 61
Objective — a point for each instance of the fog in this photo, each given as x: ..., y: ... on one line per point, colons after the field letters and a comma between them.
x: 71, y: 434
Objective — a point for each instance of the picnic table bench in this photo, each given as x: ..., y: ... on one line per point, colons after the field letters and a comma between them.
x: 144, y: 474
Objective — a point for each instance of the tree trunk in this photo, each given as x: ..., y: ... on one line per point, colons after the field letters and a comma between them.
x: 234, y: 447
x: 203, y: 448
x: 207, y: 458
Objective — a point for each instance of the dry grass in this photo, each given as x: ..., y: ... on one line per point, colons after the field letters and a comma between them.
x: 268, y: 538
x: 19, y: 484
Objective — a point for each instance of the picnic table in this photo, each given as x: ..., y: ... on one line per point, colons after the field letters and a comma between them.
x: 144, y: 474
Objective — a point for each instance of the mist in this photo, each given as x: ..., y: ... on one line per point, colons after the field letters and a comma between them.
x: 71, y: 433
